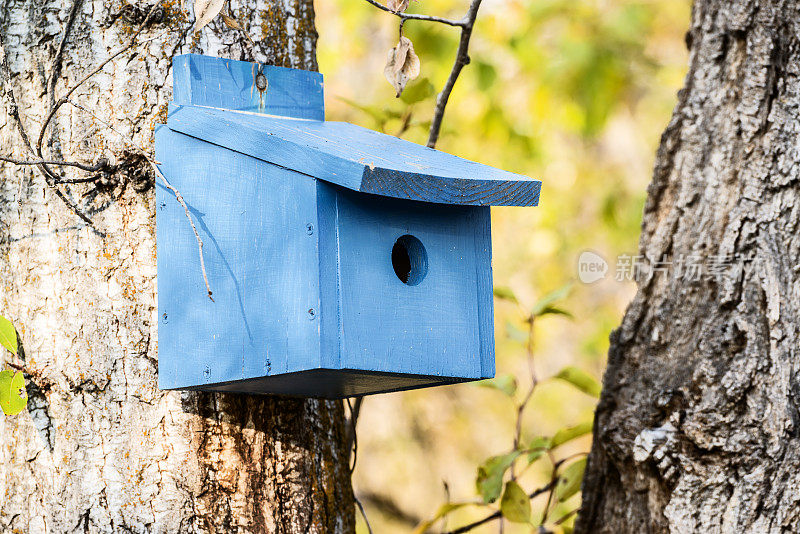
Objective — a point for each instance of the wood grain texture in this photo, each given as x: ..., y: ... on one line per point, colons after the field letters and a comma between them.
x: 357, y: 158
x: 303, y: 281
x: 261, y: 264
x: 432, y: 328
x: 225, y: 83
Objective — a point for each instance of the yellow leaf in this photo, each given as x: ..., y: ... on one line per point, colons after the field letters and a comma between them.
x: 8, y: 335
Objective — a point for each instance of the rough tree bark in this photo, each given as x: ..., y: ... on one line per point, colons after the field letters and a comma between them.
x: 100, y: 448
x: 698, y: 427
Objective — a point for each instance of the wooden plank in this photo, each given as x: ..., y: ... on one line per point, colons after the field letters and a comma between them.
x: 357, y: 158
x: 431, y: 328
x: 225, y: 83
x: 482, y: 225
x: 262, y: 266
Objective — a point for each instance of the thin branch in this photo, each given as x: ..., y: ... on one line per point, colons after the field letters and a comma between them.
x: 99, y: 166
x: 352, y: 437
x: 191, y: 222
x: 55, y: 70
x: 566, y: 516
x: 388, y: 507
x: 50, y: 177
x: 129, y: 140
x: 498, y: 514
x: 429, y: 18
x: 363, y: 514
x: 63, y: 100
x: 462, y: 59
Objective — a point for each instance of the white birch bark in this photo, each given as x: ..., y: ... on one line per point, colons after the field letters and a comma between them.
x: 100, y: 448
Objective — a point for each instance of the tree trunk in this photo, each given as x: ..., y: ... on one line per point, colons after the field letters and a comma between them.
x: 698, y: 426
x: 101, y: 448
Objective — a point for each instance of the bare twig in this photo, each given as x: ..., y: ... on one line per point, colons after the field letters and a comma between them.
x: 462, y: 59
x: 99, y: 166
x: 363, y: 514
x: 388, y: 507
x: 352, y: 436
x: 179, y: 197
x: 50, y: 177
x: 566, y: 516
x: 411, y: 16
x: 498, y: 514
x: 55, y: 70
x: 128, y: 140
x: 63, y: 100
x: 467, y: 24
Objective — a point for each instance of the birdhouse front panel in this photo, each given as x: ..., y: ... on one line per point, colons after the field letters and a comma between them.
x: 342, y: 261
x: 410, y: 275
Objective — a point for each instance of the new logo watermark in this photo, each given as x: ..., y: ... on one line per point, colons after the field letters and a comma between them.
x: 591, y: 267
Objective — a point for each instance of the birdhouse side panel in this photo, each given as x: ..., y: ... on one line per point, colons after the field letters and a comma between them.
x: 412, y: 282
x: 261, y: 260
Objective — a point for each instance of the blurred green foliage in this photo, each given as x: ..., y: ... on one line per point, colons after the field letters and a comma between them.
x: 575, y: 93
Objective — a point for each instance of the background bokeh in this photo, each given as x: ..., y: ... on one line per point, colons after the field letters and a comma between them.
x: 574, y: 92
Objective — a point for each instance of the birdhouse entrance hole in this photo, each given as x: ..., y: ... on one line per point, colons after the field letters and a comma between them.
x: 410, y: 260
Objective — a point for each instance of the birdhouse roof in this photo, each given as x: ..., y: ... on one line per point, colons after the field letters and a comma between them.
x: 336, y: 152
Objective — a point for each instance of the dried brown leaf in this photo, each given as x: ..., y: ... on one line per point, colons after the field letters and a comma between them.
x: 205, y: 11
x: 402, y: 65
x: 398, y: 6
x: 231, y: 22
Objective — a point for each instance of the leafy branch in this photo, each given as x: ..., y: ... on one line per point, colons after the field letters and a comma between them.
x: 498, y: 478
x: 403, y: 64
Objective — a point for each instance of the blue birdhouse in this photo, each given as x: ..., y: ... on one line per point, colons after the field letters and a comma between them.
x: 342, y: 261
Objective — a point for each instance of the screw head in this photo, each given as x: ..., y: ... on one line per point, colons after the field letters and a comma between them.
x: 312, y: 313
x: 309, y: 229
x: 261, y: 82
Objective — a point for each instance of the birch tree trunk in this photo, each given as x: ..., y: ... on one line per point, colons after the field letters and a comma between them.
x: 100, y: 448
x: 698, y: 427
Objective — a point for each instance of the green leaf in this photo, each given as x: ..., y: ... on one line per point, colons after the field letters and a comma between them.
x: 490, y: 475
x: 8, y: 335
x: 487, y: 74
x: 538, y: 447
x: 580, y: 379
x: 568, y: 434
x: 421, y: 90
x: 569, y: 483
x: 554, y: 310
x: 516, y: 333
x: 547, y: 301
x: 443, y: 510
x: 505, y: 293
x: 505, y: 383
x: 515, y: 505
x: 13, y: 398
x: 379, y: 115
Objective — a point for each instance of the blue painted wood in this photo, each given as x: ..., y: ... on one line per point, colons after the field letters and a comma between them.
x: 302, y: 220
x: 357, y: 158
x: 224, y: 83
x: 261, y: 264
x: 275, y: 242
x: 431, y: 328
